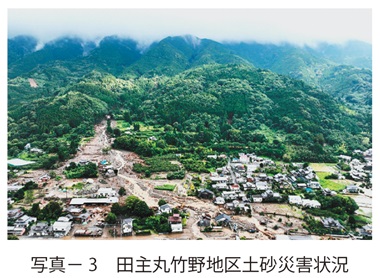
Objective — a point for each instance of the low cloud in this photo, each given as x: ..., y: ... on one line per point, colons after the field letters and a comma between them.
x: 299, y: 26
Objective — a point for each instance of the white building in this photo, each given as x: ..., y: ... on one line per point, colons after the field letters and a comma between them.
x: 294, y: 199
x: 61, y: 228
x: 311, y: 203
x: 106, y: 192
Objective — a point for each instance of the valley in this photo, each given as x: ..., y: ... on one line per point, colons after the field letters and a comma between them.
x: 189, y: 139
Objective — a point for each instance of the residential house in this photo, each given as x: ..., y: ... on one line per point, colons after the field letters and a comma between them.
x: 17, y: 231
x: 331, y: 223
x: 267, y: 194
x: 24, y: 221
x: 219, y: 201
x: 10, y: 201
x: 223, y: 219
x: 64, y: 219
x: 204, y: 222
x: 345, y: 158
x: 262, y: 177
x: 175, y: 222
x: 243, y: 158
x: 280, y: 178
x: 252, y: 168
x: 314, y: 185
x: 127, y: 227
x: 328, y: 192
x: 292, y: 179
x: 40, y: 229
x: 301, y: 185
x: 294, y: 199
x: 257, y: 198
x: 165, y: 209
x: 245, y: 199
x: 262, y: 185
x: 15, y: 213
x: 234, y: 187
x: 61, y: 229
x: 220, y: 186
x: 106, y: 192
x: 352, y: 189
x: 238, y: 167
x: 74, y: 211
x: 83, y: 218
x: 240, y: 180
x: 206, y: 194
x: 36, y: 150
x: 366, y: 230
x: 230, y: 206
x: 229, y: 195
x: 219, y: 179
x: 248, y: 186
x: 310, y: 203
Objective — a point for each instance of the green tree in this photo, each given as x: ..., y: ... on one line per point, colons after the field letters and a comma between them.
x: 142, y: 209
x: 162, y: 202
x: 111, y: 218
x: 122, y: 191
x: 52, y: 174
x: 28, y: 196
x: 35, y: 210
x: 52, y: 211
x: 130, y: 203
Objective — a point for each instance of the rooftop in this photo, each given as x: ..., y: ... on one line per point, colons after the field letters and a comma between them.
x: 16, y: 162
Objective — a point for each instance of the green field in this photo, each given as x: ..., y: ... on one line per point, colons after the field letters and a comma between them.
x: 335, y: 185
x: 168, y: 187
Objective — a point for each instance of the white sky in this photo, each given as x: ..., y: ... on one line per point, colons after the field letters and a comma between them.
x: 147, y: 25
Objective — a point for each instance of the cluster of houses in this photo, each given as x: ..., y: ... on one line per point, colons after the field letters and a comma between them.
x: 240, y: 175
x: 21, y: 222
x: 78, y: 210
x: 359, y: 170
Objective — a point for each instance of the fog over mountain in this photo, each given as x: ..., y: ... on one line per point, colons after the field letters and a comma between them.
x: 296, y: 26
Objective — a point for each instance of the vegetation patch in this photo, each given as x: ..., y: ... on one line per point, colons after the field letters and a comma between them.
x: 168, y: 187
x: 328, y: 183
x: 74, y: 171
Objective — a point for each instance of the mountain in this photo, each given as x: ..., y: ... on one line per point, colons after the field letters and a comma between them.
x: 218, y: 106
x: 332, y: 68
x: 19, y: 47
x: 273, y: 114
x: 63, y: 49
x: 173, y: 55
x: 283, y: 58
x: 283, y: 101
x: 352, y: 53
x: 113, y: 54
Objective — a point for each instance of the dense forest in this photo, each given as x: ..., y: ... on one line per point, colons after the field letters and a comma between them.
x: 285, y: 102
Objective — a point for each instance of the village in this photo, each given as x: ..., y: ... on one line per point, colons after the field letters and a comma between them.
x: 250, y: 197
